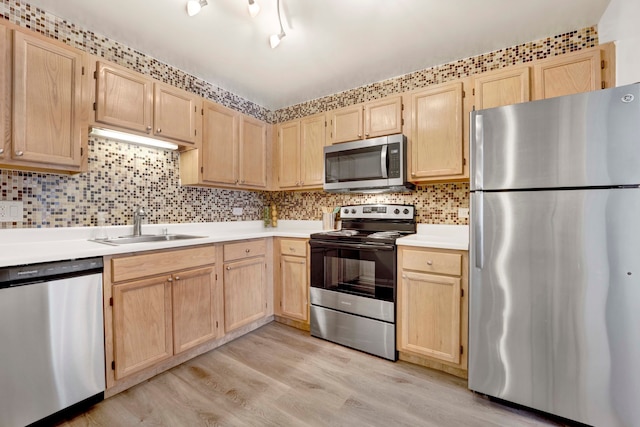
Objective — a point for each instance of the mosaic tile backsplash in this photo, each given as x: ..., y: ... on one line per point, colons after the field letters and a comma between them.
x: 121, y: 176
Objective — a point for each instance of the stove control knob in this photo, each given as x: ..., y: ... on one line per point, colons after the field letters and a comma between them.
x: 353, y: 211
x: 346, y: 211
x: 397, y: 211
x: 405, y: 211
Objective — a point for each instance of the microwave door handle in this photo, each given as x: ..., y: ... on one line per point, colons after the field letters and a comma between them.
x: 383, y: 161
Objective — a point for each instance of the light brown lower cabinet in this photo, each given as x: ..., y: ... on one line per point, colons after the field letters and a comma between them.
x: 158, y: 309
x: 432, y: 308
x: 245, y: 282
x: 292, y: 282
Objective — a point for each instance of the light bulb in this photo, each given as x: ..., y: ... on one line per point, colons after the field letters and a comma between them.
x: 254, y: 8
x: 193, y: 7
x: 275, y: 39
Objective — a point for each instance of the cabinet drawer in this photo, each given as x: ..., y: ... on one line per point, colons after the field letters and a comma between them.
x: 293, y: 247
x: 152, y: 264
x: 432, y: 262
x: 246, y: 249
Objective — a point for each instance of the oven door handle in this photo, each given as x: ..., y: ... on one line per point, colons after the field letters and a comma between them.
x: 367, y: 247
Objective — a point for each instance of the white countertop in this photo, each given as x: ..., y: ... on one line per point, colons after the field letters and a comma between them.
x: 28, y: 246
x: 438, y: 236
x: 33, y: 245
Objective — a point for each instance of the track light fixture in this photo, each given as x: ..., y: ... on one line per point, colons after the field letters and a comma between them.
x: 194, y: 6
x: 275, y: 39
x: 254, y: 8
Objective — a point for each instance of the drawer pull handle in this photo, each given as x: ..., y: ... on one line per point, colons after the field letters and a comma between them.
x: 429, y: 262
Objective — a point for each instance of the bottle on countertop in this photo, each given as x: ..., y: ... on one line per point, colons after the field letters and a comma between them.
x: 101, y: 232
x: 274, y: 215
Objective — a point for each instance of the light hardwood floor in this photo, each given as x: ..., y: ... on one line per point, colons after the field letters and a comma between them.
x: 280, y: 376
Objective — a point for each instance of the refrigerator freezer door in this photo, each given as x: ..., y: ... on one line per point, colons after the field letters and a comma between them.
x: 555, y: 302
x: 584, y: 140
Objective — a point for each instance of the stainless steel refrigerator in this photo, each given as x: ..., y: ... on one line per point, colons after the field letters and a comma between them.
x: 554, y: 315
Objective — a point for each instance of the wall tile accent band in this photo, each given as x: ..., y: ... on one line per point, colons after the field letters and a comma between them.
x: 120, y: 176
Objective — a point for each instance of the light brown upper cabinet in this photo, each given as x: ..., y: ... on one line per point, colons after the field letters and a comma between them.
x: 233, y: 151
x: 506, y: 86
x: 5, y: 93
x: 582, y: 71
x: 436, y: 138
x: 126, y: 100
x: 300, y: 152
x: 43, y: 114
x: 367, y: 120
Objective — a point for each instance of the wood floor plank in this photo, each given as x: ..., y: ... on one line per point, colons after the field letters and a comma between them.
x: 280, y: 376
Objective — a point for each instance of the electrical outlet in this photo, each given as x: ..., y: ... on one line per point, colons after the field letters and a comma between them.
x: 10, y: 211
x: 237, y: 211
x: 463, y: 212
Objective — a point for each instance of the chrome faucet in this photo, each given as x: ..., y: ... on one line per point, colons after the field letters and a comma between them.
x: 138, y: 214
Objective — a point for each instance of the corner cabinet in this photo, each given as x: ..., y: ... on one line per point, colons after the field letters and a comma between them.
x: 433, y: 309
x: 367, y: 120
x: 245, y: 283
x: 233, y: 153
x: 436, y: 142
x: 129, y: 101
x: 44, y: 109
x: 300, y: 153
x: 158, y: 305
x: 292, y: 282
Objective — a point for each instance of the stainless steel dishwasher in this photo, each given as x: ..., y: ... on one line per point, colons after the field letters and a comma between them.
x: 51, y: 340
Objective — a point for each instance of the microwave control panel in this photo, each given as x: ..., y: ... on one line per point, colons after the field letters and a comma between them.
x: 394, y: 160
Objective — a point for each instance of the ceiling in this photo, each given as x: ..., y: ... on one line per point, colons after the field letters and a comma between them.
x: 331, y: 45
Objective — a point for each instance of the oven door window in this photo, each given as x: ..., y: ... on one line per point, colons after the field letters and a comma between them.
x: 363, y: 272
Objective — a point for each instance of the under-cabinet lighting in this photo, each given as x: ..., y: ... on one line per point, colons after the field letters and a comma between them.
x: 133, y: 139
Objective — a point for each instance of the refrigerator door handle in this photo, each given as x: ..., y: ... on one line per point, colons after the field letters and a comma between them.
x: 477, y: 228
x: 477, y: 139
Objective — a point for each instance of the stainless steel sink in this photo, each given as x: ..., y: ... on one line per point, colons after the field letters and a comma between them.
x: 146, y: 238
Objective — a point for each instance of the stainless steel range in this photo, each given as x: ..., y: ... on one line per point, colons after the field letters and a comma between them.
x: 353, y: 278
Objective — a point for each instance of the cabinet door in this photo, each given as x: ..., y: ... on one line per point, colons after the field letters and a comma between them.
x: 429, y: 315
x: 47, y: 98
x: 383, y: 117
x: 289, y: 154
x: 253, y: 152
x: 174, y: 113
x: 195, y: 317
x: 244, y: 292
x: 346, y: 124
x: 294, y: 287
x: 502, y: 87
x: 141, y: 324
x: 123, y: 98
x: 568, y: 74
x: 219, y: 144
x: 313, y: 139
x: 5, y: 92
x: 436, y: 136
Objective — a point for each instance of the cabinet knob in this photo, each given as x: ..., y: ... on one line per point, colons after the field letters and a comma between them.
x: 359, y: 135
x: 429, y: 262
x: 19, y: 153
x: 247, y: 250
x: 228, y: 268
x: 301, y: 182
x: 237, y: 182
x: 366, y: 134
x: 170, y: 279
x: 1, y: 150
x: 242, y: 182
x: 159, y: 130
x: 148, y: 129
x: 177, y: 277
x: 291, y: 249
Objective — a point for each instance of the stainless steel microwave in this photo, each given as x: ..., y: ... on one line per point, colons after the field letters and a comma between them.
x: 374, y: 165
